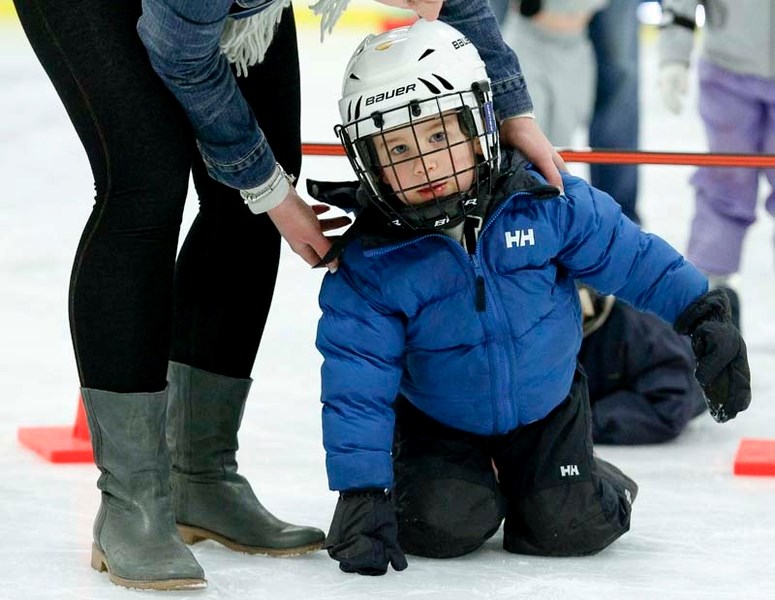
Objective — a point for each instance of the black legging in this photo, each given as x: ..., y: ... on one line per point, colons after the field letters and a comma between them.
x: 132, y: 307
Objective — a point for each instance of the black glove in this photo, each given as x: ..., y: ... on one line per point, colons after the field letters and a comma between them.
x: 722, y: 361
x: 364, y: 533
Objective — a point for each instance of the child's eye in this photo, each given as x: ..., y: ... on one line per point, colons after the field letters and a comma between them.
x: 438, y: 137
x: 399, y: 149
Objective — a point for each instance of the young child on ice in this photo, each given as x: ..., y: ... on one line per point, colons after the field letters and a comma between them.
x: 640, y: 373
x: 451, y: 328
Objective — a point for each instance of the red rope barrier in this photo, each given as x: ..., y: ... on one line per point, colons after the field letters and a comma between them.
x: 618, y: 157
x: 621, y: 157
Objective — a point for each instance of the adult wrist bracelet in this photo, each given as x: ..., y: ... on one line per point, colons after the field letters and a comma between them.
x: 267, y: 196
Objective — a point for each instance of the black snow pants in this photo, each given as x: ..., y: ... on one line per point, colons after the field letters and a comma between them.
x: 453, y: 488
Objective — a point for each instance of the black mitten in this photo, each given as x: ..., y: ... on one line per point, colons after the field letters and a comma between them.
x: 364, y: 533
x: 722, y: 361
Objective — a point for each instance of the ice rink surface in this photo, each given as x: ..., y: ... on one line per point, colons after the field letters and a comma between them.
x: 698, y: 531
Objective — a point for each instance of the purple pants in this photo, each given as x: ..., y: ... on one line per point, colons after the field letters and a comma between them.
x: 739, y: 116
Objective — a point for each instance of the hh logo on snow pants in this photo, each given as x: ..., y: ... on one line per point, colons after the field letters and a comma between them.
x: 569, y: 470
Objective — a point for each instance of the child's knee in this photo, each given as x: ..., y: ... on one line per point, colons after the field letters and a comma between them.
x: 447, y: 518
x: 572, y: 525
x: 421, y: 538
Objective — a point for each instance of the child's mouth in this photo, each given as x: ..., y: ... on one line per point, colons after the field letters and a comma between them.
x: 433, y: 191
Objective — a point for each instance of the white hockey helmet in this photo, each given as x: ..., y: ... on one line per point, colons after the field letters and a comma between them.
x: 406, y: 76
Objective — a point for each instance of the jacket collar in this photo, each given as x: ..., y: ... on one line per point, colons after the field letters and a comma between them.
x: 371, y: 225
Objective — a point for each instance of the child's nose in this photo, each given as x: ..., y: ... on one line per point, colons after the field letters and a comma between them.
x: 423, y: 164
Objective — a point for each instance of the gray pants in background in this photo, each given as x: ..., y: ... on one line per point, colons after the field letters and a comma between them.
x: 560, y: 73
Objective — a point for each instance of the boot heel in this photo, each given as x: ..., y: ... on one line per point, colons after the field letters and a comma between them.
x: 98, y: 562
x: 190, y: 535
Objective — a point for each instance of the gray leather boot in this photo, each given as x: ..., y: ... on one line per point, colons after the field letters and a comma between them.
x: 211, y: 500
x: 135, y: 539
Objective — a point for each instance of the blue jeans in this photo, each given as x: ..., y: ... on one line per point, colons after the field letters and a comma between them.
x: 616, y: 116
x: 499, y: 8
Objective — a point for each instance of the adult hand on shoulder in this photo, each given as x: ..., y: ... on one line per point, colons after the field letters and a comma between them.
x: 673, y: 82
x: 298, y: 223
x: 426, y: 9
x: 524, y: 134
x: 330, y: 223
x: 364, y: 533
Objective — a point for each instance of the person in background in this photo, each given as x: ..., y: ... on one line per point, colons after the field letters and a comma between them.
x: 615, y: 113
x: 451, y: 329
x: 615, y: 35
x: 550, y: 37
x: 737, y: 106
x: 158, y: 90
x: 640, y: 373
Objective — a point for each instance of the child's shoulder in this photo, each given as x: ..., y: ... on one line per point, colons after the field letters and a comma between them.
x: 530, y: 187
x: 521, y: 180
x: 575, y: 189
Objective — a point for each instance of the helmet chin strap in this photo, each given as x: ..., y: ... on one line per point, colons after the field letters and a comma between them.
x: 438, y: 213
x: 447, y: 212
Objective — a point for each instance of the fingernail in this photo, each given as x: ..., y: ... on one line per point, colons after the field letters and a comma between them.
x: 332, y: 268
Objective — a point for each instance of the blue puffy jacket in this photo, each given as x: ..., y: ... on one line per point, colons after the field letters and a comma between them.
x: 485, y: 342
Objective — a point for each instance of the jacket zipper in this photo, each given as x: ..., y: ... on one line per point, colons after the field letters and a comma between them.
x: 497, y: 366
x: 481, y: 301
x: 508, y: 391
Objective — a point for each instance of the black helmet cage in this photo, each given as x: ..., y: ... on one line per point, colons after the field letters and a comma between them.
x: 437, y: 213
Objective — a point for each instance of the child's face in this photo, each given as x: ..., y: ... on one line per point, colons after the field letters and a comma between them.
x: 427, y: 160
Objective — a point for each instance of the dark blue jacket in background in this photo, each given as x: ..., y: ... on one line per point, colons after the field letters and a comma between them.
x: 641, y: 379
x: 485, y: 342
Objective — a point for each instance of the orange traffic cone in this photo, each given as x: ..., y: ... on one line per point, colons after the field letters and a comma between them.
x: 755, y: 457
x: 61, y: 444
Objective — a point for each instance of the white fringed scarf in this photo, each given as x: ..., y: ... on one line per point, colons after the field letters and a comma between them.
x: 331, y: 11
x: 245, y: 41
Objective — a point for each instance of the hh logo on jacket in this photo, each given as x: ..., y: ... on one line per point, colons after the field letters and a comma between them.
x: 520, y: 237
